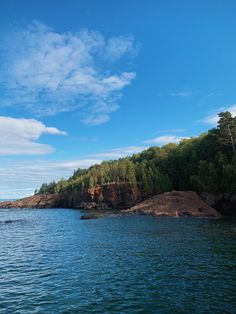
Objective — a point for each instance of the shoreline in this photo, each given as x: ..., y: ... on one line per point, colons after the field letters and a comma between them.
x: 168, y: 204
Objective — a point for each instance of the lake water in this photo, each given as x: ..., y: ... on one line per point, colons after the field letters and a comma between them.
x: 53, y: 262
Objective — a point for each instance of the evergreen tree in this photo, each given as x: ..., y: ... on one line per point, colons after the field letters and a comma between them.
x: 227, y: 130
x: 205, y: 163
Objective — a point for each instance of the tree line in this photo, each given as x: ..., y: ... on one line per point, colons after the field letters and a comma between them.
x: 204, y: 163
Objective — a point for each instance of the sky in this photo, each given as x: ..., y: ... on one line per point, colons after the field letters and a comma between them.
x: 83, y: 81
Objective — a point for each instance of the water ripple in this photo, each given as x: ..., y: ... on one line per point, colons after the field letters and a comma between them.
x: 53, y: 262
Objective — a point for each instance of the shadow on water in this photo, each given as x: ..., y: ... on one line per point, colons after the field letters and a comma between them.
x: 10, y: 221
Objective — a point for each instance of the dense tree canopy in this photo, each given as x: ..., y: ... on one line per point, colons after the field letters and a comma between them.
x: 204, y: 163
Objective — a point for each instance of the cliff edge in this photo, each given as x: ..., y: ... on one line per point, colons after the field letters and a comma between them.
x: 108, y: 196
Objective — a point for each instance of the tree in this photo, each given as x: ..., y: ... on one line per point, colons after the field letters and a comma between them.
x: 130, y: 172
x: 204, y: 163
x: 227, y: 129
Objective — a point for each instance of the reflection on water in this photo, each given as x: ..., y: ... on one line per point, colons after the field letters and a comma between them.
x: 53, y: 262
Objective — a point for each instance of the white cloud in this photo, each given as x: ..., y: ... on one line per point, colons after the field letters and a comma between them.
x: 165, y: 139
x: 19, y: 179
x: 213, y: 118
x: 119, y: 152
x: 47, y: 72
x: 19, y: 136
x: 172, y: 131
x: 118, y: 46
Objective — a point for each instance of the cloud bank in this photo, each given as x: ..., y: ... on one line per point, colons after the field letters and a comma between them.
x: 21, y: 178
x: 19, y: 136
x: 46, y: 72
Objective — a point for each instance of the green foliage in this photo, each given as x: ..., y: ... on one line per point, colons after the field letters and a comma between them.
x: 227, y: 130
x: 205, y: 163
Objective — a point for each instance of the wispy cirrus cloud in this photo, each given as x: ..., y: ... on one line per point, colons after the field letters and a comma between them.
x: 21, y: 178
x: 165, y: 139
x: 214, y: 94
x: 47, y: 72
x: 119, y: 152
x: 19, y: 136
x: 213, y: 118
x: 183, y: 93
x: 171, y: 131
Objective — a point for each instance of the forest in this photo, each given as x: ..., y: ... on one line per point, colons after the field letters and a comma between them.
x: 203, y: 163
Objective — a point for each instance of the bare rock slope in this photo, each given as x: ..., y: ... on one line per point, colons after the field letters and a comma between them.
x: 174, y: 204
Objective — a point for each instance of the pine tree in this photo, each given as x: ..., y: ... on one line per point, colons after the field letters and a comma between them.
x: 227, y: 130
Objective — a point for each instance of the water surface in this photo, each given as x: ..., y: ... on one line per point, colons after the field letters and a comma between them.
x: 53, y: 262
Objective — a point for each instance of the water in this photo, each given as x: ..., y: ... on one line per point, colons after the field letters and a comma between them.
x: 53, y: 262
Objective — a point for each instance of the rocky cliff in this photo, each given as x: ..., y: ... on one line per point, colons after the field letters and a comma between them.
x: 125, y: 196
x: 102, y: 197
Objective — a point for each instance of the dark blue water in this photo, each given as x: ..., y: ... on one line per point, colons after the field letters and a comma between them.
x: 53, y: 262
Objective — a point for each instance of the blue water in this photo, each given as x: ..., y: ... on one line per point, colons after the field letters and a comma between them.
x: 53, y: 262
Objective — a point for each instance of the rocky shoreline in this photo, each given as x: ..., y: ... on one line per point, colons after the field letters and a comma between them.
x: 110, y: 196
x: 175, y: 204
x: 168, y: 204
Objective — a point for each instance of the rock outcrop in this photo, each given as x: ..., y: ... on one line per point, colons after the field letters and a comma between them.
x: 36, y: 201
x: 174, y: 204
x: 101, y: 197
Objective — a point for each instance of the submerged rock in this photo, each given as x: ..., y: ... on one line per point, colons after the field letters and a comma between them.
x: 10, y: 221
x: 90, y: 216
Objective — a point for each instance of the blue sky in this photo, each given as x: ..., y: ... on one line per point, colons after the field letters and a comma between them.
x: 83, y: 81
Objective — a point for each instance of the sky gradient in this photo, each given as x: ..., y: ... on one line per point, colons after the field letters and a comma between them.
x: 84, y: 81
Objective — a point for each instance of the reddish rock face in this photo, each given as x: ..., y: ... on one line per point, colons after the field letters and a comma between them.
x: 113, y: 196
x: 104, y: 197
x: 36, y: 201
x: 107, y: 196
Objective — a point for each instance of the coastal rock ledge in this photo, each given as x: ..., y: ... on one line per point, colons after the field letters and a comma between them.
x: 174, y: 204
x: 35, y: 201
x: 170, y: 204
